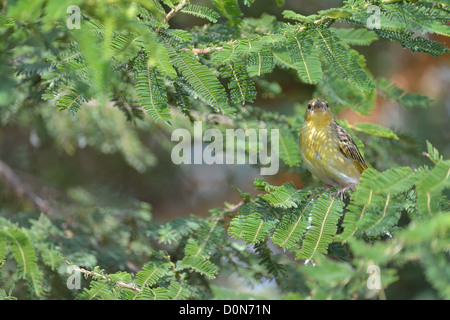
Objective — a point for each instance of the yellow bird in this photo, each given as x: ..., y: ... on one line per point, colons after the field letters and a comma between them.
x: 328, y: 151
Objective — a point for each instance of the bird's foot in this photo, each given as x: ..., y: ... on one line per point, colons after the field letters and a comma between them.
x: 343, y: 190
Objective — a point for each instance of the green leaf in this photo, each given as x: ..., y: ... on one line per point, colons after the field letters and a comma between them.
x: 305, y: 57
x: 292, y: 227
x: 151, y: 91
x: 393, y: 181
x: 320, y: 233
x: 341, y: 60
x: 374, y: 129
x: 289, y: 14
x: 158, y: 293
x: 256, y: 228
x: 178, y: 290
x: 415, y: 43
x: 362, y: 199
x: 386, y: 216
x: 242, y: 88
x: 237, y: 50
x: 409, y: 100
x: 288, y: 149
x: 198, y: 264
x: 430, y: 186
x: 203, y: 240
x: 418, y: 17
x: 358, y: 37
x: 433, y: 153
x: 98, y: 289
x: 151, y: 273
x: 72, y: 101
x: 267, y: 258
x: 173, y: 231
x: 340, y: 92
x: 335, y: 13
x: 159, y: 58
x: 229, y: 10
x: 199, y: 77
x: 260, y: 62
x: 25, y: 256
x: 201, y: 12
x: 284, y: 196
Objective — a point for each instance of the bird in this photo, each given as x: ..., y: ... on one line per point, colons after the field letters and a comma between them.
x: 328, y: 150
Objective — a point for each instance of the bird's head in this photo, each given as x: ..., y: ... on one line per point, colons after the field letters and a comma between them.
x: 318, y: 112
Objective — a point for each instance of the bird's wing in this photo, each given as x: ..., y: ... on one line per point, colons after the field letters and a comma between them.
x: 348, y: 147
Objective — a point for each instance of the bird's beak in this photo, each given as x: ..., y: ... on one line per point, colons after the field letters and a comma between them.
x: 319, y: 108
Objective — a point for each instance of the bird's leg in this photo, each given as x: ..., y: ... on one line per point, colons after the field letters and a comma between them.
x: 343, y: 190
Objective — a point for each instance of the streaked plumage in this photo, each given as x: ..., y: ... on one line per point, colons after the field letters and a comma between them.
x: 328, y: 151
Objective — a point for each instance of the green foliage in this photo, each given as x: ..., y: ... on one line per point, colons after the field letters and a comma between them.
x: 94, y: 86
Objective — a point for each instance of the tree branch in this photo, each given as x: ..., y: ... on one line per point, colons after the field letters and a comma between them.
x: 103, y: 277
x: 173, y: 12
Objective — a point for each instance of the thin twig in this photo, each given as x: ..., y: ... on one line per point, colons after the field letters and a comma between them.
x: 173, y: 12
x: 426, y: 154
x: 234, y: 208
x: 103, y: 277
x: 198, y: 51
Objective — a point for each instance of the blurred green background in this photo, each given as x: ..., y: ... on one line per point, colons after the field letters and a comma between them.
x: 57, y: 173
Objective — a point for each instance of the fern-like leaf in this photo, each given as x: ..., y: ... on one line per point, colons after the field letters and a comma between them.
x: 25, y: 256
x: 178, y: 290
x: 201, y: 12
x: 341, y: 60
x: 229, y: 10
x: 358, y: 37
x: 256, y: 228
x: 267, y: 258
x: 203, y: 81
x: 292, y: 227
x: 373, y: 129
x: 98, y: 289
x: 430, y: 186
x: 151, y: 91
x: 408, y: 100
x: 72, y: 101
x: 304, y: 57
x: 393, y: 181
x: 151, y: 273
x: 379, y: 221
x: 361, y: 201
x: 342, y: 93
x: 198, y: 264
x: 241, y: 86
x: 373, y: 206
x: 172, y: 232
x: 288, y: 149
x: 158, y: 293
x: 237, y: 50
x: 260, y: 62
x: 416, y: 43
x: 417, y: 17
x: 284, y: 196
x: 203, y: 242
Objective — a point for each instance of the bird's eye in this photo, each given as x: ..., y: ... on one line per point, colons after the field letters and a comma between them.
x: 309, y: 106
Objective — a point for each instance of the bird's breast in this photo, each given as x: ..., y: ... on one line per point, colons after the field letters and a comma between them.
x: 319, y: 148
